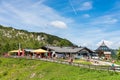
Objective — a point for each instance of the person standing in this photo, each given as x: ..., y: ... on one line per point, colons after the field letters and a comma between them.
x: 113, y: 66
x: 70, y: 61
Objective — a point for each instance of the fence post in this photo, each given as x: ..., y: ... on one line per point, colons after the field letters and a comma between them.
x: 89, y: 66
x: 95, y: 67
x: 108, y: 68
x: 60, y: 62
x: 78, y: 64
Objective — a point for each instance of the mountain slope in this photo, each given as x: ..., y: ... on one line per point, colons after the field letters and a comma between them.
x: 10, y: 39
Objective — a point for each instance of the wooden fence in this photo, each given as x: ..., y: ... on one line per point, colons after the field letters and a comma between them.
x: 95, y: 67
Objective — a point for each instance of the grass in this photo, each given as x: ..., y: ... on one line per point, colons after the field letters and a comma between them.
x: 22, y: 69
x: 82, y: 61
x: 117, y: 62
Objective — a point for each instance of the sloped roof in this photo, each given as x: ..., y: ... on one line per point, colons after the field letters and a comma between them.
x: 39, y: 51
x: 103, y: 44
x: 15, y: 51
x: 103, y: 47
x: 66, y: 49
x: 28, y: 50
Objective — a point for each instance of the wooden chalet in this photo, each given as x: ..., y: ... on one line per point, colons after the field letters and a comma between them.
x: 65, y: 52
x: 104, y: 51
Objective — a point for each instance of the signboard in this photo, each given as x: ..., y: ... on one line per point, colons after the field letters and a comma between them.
x: 107, y: 52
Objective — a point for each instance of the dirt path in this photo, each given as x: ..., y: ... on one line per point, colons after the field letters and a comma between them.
x: 98, y: 62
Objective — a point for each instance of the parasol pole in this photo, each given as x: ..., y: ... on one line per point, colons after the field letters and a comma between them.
x: 19, y: 47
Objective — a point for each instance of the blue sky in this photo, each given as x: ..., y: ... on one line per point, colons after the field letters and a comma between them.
x: 83, y: 22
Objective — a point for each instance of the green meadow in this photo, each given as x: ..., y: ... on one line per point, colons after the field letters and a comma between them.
x: 22, y: 69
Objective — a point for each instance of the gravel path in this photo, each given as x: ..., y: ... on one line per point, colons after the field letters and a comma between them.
x: 98, y: 62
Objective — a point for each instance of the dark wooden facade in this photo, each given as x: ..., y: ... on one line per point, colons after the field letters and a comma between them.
x: 102, y: 49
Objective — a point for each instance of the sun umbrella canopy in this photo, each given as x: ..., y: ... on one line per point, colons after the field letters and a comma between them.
x: 15, y: 51
x: 39, y: 51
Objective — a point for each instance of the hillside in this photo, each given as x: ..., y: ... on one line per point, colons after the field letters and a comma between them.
x: 10, y: 39
x: 22, y: 69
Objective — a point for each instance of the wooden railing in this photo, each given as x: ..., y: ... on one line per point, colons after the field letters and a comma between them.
x: 95, y: 67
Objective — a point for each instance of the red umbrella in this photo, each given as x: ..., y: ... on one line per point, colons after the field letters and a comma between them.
x: 18, y: 52
x: 23, y: 52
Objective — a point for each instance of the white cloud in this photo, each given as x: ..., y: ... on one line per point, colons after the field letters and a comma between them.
x: 86, y: 6
x: 112, y: 21
x: 34, y: 14
x: 108, y: 43
x: 106, y: 19
x: 58, y: 24
x: 44, y: 18
x: 86, y: 15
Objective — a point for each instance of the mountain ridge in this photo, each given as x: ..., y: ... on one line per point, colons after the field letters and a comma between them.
x: 10, y: 38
